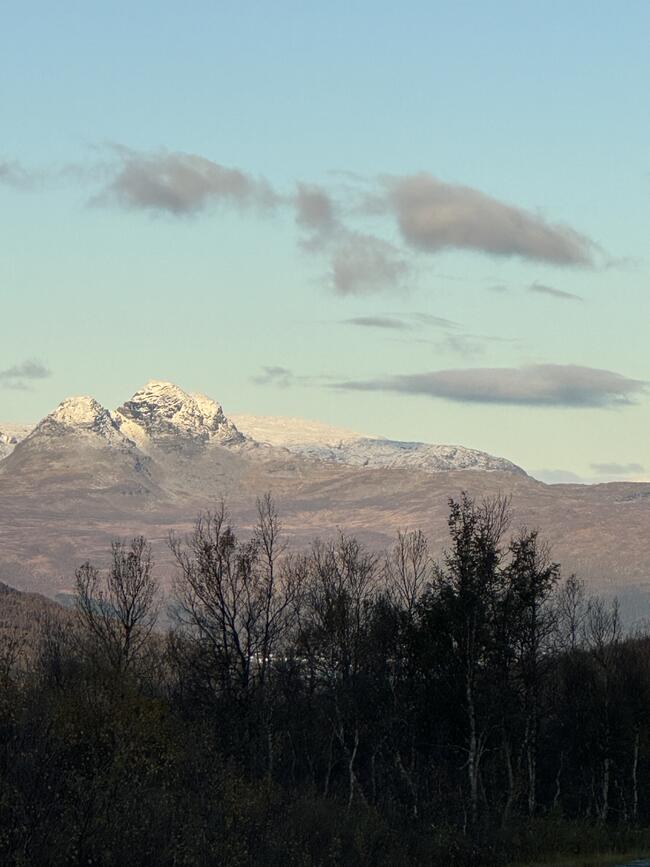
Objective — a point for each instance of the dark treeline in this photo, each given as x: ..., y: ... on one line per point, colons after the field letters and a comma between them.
x: 328, y: 708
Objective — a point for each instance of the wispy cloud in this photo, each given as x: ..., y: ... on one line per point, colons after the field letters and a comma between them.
x: 13, y: 174
x: 412, y: 320
x: 20, y: 375
x: 387, y: 323
x: 364, y: 264
x: 560, y: 294
x: 358, y: 263
x: 417, y: 324
x: 316, y: 215
x: 274, y: 375
x: 283, y: 377
x: 548, y: 385
x: 433, y: 215
x: 434, y: 321
x: 467, y: 345
x: 178, y: 183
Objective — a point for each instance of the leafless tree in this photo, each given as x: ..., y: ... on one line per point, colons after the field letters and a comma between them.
x: 341, y: 578
x: 407, y: 569
x: 571, y: 604
x: 118, y: 609
x: 233, y: 599
x: 340, y: 583
x: 603, y: 631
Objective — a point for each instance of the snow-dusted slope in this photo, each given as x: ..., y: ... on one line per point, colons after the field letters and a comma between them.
x: 337, y: 445
x: 280, y: 431
x: 395, y: 454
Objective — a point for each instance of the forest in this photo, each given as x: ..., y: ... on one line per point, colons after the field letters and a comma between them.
x: 334, y: 706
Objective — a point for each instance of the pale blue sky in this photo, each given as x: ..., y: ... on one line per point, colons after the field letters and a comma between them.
x: 538, y: 106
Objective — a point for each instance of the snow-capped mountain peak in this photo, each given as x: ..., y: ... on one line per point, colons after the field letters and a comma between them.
x: 81, y: 414
x: 163, y: 412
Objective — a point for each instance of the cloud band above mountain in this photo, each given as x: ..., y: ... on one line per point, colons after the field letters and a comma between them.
x: 549, y: 385
x: 422, y: 212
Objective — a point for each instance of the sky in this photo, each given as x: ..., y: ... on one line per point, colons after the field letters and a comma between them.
x: 424, y: 220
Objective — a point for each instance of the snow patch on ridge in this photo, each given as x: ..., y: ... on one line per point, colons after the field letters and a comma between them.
x: 323, y: 442
x: 393, y: 454
x: 280, y: 431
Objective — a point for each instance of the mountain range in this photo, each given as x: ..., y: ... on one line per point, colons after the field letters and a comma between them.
x: 85, y: 474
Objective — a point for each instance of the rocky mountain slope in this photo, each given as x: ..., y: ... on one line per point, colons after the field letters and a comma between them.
x: 85, y: 474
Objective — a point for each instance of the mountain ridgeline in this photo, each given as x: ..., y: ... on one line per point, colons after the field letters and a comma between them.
x: 86, y: 474
x: 163, y: 415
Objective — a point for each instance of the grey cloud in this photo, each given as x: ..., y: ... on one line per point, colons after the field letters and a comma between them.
x: 433, y: 216
x: 614, y: 469
x: 557, y: 385
x: 315, y: 209
x: 467, y: 345
x: 453, y: 340
x: 283, y: 377
x: 359, y: 264
x: 554, y: 293
x: 179, y: 183
x: 435, y: 321
x: 385, y: 322
x: 19, y: 375
x: 364, y: 264
x: 410, y: 321
x: 401, y: 321
x: 14, y: 175
x: 280, y: 376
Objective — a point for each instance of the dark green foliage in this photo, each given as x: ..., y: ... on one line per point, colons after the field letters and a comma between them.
x: 327, y: 709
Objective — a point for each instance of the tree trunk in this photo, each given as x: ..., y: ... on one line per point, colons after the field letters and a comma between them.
x: 409, y: 782
x: 635, y: 781
x: 511, y: 780
x: 605, y: 789
x: 472, y: 752
x: 558, y: 782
